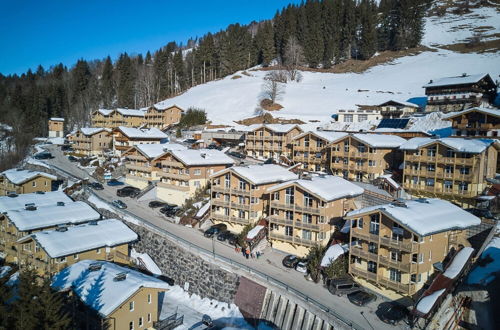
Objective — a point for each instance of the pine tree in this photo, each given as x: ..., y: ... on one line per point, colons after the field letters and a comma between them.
x: 52, y: 314
x: 125, y: 89
x: 266, y: 51
x: 107, y: 83
x: 26, y: 307
x: 314, y: 261
x: 367, y: 44
x: 313, y: 38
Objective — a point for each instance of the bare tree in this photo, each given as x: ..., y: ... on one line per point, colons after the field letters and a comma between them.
x: 273, y: 85
x: 294, y: 57
x: 147, y: 86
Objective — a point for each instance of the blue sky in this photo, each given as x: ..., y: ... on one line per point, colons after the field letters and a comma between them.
x: 53, y: 31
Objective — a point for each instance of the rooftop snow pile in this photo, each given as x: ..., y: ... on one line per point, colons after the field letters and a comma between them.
x: 76, y: 239
x: 331, y: 254
x: 131, y: 112
x: 18, y: 176
x: 254, y: 231
x: 92, y: 130
x: 105, y: 112
x: 56, y: 119
x: 156, y: 149
x: 20, y: 201
x: 143, y: 133
x: 278, y: 128
x: 458, y: 80
x: 326, y: 135
x: 98, y: 289
x: 486, y: 111
x: 458, y: 263
x: 202, y: 157
x: 201, y: 212
x: 380, y: 140
x: 327, y: 187
x: 262, y: 174
x: 52, y: 215
x: 486, y: 272
x: 145, y: 260
x: 458, y: 144
x: 425, y: 216
x: 425, y: 304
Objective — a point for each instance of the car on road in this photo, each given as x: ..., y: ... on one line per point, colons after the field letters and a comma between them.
x: 128, y: 191
x: 237, y: 155
x: 172, y: 212
x: 342, y: 286
x: 96, y: 186
x: 44, y: 155
x: 290, y: 261
x: 361, y: 298
x: 214, y: 230
x: 392, y: 313
x: 72, y: 159
x: 114, y: 182
x: 167, y: 208
x: 119, y: 204
x: 223, y: 235
x: 232, y: 239
x: 155, y: 204
x: 301, y: 267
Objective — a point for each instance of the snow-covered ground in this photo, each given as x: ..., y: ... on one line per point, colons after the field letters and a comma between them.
x: 483, y: 275
x: 319, y: 95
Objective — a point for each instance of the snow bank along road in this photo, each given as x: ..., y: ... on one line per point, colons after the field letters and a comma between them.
x: 269, y: 264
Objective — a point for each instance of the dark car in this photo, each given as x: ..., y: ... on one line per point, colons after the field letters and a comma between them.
x: 44, y: 155
x: 290, y: 261
x: 67, y: 148
x: 232, y: 239
x: 361, y: 298
x: 212, y: 146
x: 214, y: 230
x: 96, y: 186
x: 119, y: 204
x: 155, y: 204
x: 343, y: 285
x: 172, y: 212
x: 128, y: 191
x: 167, y: 208
x: 72, y: 159
x: 114, y: 182
x: 269, y: 161
x: 223, y: 235
x: 237, y: 155
x: 392, y: 313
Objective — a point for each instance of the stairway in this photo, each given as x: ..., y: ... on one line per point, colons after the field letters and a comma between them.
x: 146, y: 191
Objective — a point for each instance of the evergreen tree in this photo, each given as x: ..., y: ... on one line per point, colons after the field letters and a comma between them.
x: 314, y: 261
x: 266, y: 51
x: 313, y: 38
x: 52, y: 315
x: 125, y: 89
x: 367, y: 44
x: 107, y: 84
x: 26, y: 307
x: 235, y: 50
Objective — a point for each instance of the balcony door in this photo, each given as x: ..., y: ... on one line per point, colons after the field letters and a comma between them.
x: 374, y: 224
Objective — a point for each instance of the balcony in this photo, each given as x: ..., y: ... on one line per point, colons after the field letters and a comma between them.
x: 405, y: 245
x: 172, y: 186
x: 365, y: 236
x: 396, y: 286
x: 405, y: 266
x: 137, y: 167
x: 227, y: 218
x: 363, y: 273
x: 358, y: 252
x: 221, y: 189
x: 298, y: 224
x: 240, y: 192
x: 172, y: 163
x: 297, y: 208
x: 135, y: 157
x: 217, y: 202
x: 175, y: 176
x: 293, y: 240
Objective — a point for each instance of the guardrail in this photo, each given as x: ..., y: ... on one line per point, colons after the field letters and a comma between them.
x: 246, y: 268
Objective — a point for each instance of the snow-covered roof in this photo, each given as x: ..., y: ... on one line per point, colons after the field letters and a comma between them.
x: 201, y: 212
x: 143, y: 133
x: 52, y: 215
x: 262, y: 174
x: 98, y: 289
x: 145, y: 260
x: 279, y: 128
x: 93, y: 130
x: 105, y: 112
x: 254, y: 231
x: 425, y: 304
x: 56, y: 119
x: 163, y: 105
x: 326, y: 135
x: 424, y: 216
x: 327, y: 187
x: 192, y: 157
x: 408, y: 104
x: 39, y: 199
x: 77, y: 239
x: 474, y: 146
x: 458, y: 263
x: 391, y: 181
x: 19, y: 176
x: 156, y: 149
x: 487, y: 111
x: 380, y: 140
x: 331, y: 254
x: 131, y: 112
x: 458, y: 80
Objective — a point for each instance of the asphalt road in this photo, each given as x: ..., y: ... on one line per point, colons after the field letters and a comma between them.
x: 269, y: 263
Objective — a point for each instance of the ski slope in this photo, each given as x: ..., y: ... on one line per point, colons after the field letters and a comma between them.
x: 319, y: 95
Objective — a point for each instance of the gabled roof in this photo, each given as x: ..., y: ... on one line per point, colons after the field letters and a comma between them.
x: 458, y: 80
x: 142, y: 133
x: 380, y: 140
x: 50, y: 215
x: 98, y: 289
x: 81, y: 238
x: 161, y: 107
x: 56, y: 119
x: 261, y: 174
x: 104, y: 112
x: 486, y: 111
x: 278, y: 128
x: 407, y: 104
x: 325, y: 135
x: 130, y: 112
x: 474, y: 146
x: 39, y: 199
x: 154, y: 150
x: 19, y: 176
x: 327, y: 188
x: 192, y: 157
x: 424, y: 216
x: 93, y: 130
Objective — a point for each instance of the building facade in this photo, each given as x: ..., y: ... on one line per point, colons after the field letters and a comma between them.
x: 363, y: 113
x: 310, y: 149
x: 91, y: 141
x: 302, y: 212
x: 126, y: 137
x: 475, y: 123
x: 162, y: 118
x: 117, y: 117
x: 56, y: 127
x: 18, y: 181
x: 270, y: 140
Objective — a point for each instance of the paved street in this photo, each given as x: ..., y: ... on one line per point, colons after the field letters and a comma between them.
x: 269, y: 263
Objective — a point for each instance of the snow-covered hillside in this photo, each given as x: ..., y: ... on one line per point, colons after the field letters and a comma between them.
x: 319, y: 95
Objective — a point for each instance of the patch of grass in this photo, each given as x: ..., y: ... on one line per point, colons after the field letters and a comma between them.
x: 267, y: 118
x: 491, y: 46
x: 268, y: 105
x: 236, y: 76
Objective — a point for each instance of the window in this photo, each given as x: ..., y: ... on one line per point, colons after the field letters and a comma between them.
x: 372, y: 267
x: 346, y: 146
x: 98, y: 251
x: 306, y: 218
x: 288, y: 231
x: 429, y: 182
x: 448, y: 185
x: 360, y: 222
x: 227, y: 181
x: 140, y: 322
x: 414, y: 258
x: 197, y: 184
x: 75, y: 256
x: 362, y: 118
x: 374, y: 224
x: 372, y: 163
x: 395, y: 275
x: 431, y: 167
x: 308, y: 200
x: 463, y: 186
x: 431, y: 152
x: 33, y: 183
x: 289, y: 198
x: 396, y: 256
x: 448, y: 169
x: 276, y: 196
x: 131, y: 306
x: 242, y: 185
x: 450, y: 153
x: 348, y: 118
x: 131, y: 325
x: 61, y: 260
x: 464, y: 170
x: 197, y: 172
x: 420, y: 258
x: 430, y: 255
x: 254, y: 200
x: 372, y: 247
x: 321, y: 235
x: 149, y: 317
x: 306, y: 142
x: 241, y: 214
x: 226, y: 198
x: 289, y: 215
x: 306, y: 234
x: 241, y: 200
x: 361, y: 148
x: 149, y: 298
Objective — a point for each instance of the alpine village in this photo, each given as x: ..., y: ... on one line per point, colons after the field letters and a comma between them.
x: 334, y: 166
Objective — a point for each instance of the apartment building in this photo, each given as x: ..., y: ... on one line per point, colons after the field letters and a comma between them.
x: 394, y: 247
x: 19, y: 181
x: 91, y: 141
x: 182, y: 172
x: 397, y: 109
x: 364, y: 157
x: 56, y: 127
x: 138, y: 162
x: 302, y: 212
x: 128, y: 299
x: 455, y: 169
x: 239, y: 196
x: 49, y: 251
x: 117, y: 117
x: 460, y: 92
x: 126, y: 137
x: 163, y: 117
x: 475, y: 123
x: 311, y: 149
x: 101, y: 118
x: 363, y: 113
x: 270, y: 140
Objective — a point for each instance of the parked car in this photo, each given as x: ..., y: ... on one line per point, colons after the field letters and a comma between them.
x: 214, y: 146
x: 172, y: 212
x: 301, y: 267
x: 44, y: 155
x: 128, y: 191
x: 343, y: 285
x: 114, y: 182
x: 119, y: 204
x: 167, y: 208
x: 290, y: 261
x: 232, y: 239
x: 214, y: 230
x: 269, y: 161
x: 237, y: 155
x: 96, y: 186
x: 392, y: 313
x: 155, y: 204
x: 223, y: 235
x: 361, y: 298
x: 72, y: 159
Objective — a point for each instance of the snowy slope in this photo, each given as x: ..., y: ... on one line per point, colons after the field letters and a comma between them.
x: 319, y: 95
